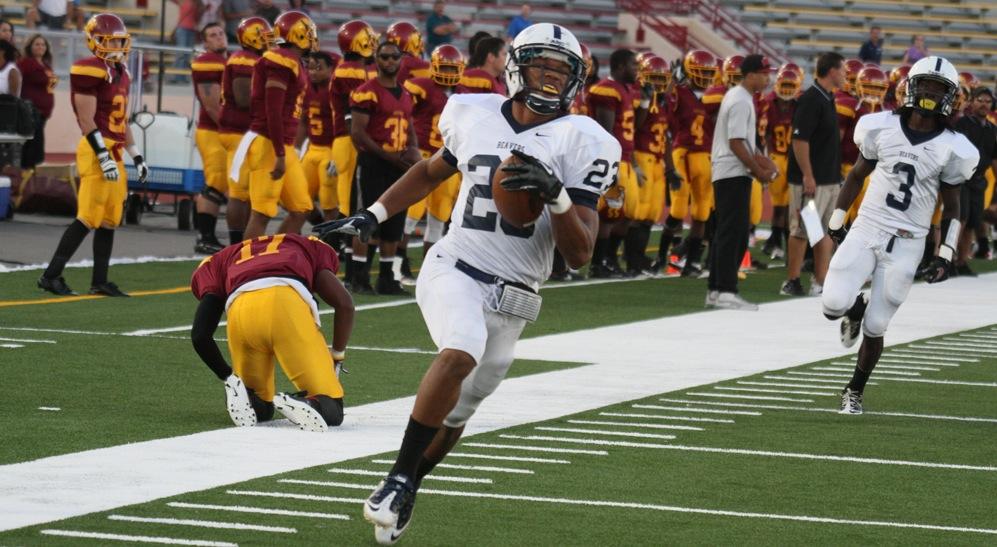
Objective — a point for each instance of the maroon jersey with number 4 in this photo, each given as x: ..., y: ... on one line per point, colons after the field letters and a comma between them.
x: 280, y: 255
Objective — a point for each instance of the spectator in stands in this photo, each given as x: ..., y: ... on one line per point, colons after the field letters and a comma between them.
x: 872, y: 50
x: 10, y: 76
x: 39, y: 89
x: 439, y: 28
x: 266, y: 10
x: 234, y: 12
x: 6, y: 31
x: 51, y: 14
x: 916, y: 51
x: 299, y: 5
x: 211, y: 12
x: 186, y: 32
x: 519, y: 22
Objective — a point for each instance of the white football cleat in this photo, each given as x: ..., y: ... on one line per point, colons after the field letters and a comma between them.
x: 299, y: 412
x: 851, y: 402
x: 240, y: 409
x: 852, y: 328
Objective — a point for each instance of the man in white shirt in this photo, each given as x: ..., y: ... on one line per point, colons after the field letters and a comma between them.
x: 736, y: 158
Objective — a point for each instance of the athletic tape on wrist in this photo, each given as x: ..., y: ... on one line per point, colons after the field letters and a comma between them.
x: 562, y: 204
x: 338, y: 355
x: 946, y: 252
x: 837, y: 219
x: 951, y: 236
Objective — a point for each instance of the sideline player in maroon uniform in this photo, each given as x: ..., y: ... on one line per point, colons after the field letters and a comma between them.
x: 779, y: 110
x: 99, y: 93
x: 255, y: 35
x: 409, y: 40
x: 206, y: 72
x: 383, y: 133
x: 265, y: 285
x: 316, y: 125
x: 279, y: 84
x: 356, y: 42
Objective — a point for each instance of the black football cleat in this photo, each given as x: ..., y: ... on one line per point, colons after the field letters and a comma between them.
x: 108, y: 288
x: 55, y: 286
x: 390, y: 287
x: 207, y: 246
x: 362, y: 286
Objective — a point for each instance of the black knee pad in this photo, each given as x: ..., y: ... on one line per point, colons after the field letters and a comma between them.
x: 673, y: 223
x: 214, y: 196
x: 330, y: 409
x: 832, y: 317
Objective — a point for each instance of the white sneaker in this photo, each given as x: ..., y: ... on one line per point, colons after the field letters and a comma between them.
x: 816, y: 289
x: 777, y: 253
x: 851, y: 402
x: 299, y: 412
x: 240, y: 409
x: 733, y: 301
x: 711, y: 299
x: 850, y: 330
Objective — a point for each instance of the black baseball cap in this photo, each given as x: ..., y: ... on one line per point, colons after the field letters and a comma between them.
x: 755, y: 63
x: 982, y: 90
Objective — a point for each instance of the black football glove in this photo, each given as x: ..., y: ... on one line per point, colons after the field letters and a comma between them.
x: 532, y: 176
x: 939, y: 269
x: 361, y: 224
x: 674, y: 179
x: 838, y: 235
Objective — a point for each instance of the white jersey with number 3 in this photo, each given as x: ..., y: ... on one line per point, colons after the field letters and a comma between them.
x: 480, y: 132
x: 910, y: 167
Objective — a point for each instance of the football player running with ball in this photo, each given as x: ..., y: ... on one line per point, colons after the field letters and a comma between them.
x: 911, y: 155
x: 477, y: 288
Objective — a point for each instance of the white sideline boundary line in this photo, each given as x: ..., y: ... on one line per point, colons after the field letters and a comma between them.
x: 872, y: 412
x: 636, y: 424
x: 694, y: 510
x: 752, y: 452
x: 87, y: 262
x: 259, y: 510
x: 205, y: 524
x: 783, y: 391
x: 666, y: 417
x: 486, y: 468
x: 59, y: 487
x: 292, y: 495
x: 505, y: 458
x: 702, y: 410
x: 442, y: 478
x: 136, y: 539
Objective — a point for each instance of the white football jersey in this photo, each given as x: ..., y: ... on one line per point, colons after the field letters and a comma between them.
x: 480, y: 132
x: 904, y: 185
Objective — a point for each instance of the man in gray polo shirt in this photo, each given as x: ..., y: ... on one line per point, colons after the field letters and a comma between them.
x: 736, y: 158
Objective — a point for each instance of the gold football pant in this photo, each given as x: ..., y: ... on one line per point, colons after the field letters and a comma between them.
x: 697, y: 188
x: 213, y: 159
x: 779, y: 187
x: 237, y: 189
x: 345, y: 156
x: 276, y: 322
x: 315, y: 164
x: 100, y: 202
x: 652, y: 194
x: 264, y: 192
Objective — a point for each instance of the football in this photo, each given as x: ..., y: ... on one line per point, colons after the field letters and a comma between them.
x: 519, y: 209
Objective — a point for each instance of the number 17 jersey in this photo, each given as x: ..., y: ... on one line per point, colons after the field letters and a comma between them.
x: 910, y: 166
x: 479, y: 133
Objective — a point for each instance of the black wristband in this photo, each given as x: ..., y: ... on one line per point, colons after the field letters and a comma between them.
x: 137, y: 159
x: 96, y: 141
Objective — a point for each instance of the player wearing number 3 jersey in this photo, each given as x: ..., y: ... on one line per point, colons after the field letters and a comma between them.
x: 99, y: 92
x: 477, y: 287
x: 911, y: 155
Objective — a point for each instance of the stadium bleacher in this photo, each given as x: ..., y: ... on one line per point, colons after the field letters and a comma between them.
x: 964, y: 32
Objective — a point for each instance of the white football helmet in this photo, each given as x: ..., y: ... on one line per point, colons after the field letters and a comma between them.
x: 936, y: 69
x: 545, y: 40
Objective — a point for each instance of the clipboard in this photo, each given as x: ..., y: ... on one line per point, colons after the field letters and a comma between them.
x: 812, y: 223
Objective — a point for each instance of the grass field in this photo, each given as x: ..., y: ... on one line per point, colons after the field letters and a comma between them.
x: 758, y: 460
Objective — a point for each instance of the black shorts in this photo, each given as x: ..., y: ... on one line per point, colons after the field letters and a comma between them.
x: 53, y: 22
x: 971, y: 202
x: 372, y: 178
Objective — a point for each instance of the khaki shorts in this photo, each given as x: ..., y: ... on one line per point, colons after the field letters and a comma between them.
x: 825, y: 199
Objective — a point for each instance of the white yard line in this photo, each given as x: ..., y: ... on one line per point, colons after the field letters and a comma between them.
x: 445, y: 478
x: 803, y: 377
x: 777, y: 384
x: 50, y: 408
x: 700, y: 410
x: 205, y: 524
x: 60, y: 487
x: 692, y: 510
x: 752, y: 452
x: 880, y: 366
x: 28, y: 340
x: 137, y: 539
x: 534, y: 448
x: 983, y: 346
x: 496, y: 457
x: 487, y: 468
x: 605, y: 432
x: 852, y: 369
x: 935, y: 356
x: 899, y: 361
x: 783, y: 391
x: 86, y: 263
x: 292, y: 495
x: 974, y: 336
x: 257, y: 510
x: 667, y: 417
x: 636, y: 424
x: 60, y: 331
x: 753, y: 397
x: 879, y: 376
x: 834, y: 410
x: 949, y: 349
x: 11, y: 346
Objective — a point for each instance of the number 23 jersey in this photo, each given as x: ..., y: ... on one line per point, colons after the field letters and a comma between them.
x: 109, y: 84
x: 479, y: 133
x: 903, y: 189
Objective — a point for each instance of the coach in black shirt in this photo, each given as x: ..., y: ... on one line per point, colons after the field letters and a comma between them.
x: 975, y: 126
x: 814, y: 171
